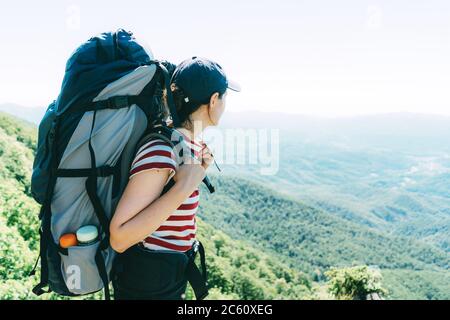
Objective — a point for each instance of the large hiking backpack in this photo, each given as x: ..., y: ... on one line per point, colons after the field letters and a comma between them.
x: 86, y: 143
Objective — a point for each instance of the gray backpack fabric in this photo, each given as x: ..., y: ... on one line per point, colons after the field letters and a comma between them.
x: 86, y: 143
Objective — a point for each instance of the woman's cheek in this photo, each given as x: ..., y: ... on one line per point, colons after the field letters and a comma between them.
x: 221, y: 111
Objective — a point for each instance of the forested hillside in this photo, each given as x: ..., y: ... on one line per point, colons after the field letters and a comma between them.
x: 260, y: 244
x: 312, y: 240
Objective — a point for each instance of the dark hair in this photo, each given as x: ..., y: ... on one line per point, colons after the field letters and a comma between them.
x: 159, y: 111
x: 185, y: 109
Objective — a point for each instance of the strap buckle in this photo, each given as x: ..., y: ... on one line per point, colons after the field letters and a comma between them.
x: 195, y: 246
x: 118, y: 102
x: 104, y: 171
x: 39, y: 289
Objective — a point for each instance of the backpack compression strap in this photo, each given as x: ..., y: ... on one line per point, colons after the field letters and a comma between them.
x: 91, y: 189
x: 45, y: 214
x: 197, y: 279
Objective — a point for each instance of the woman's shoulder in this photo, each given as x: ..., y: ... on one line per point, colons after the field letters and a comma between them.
x: 155, y: 154
x: 154, y: 144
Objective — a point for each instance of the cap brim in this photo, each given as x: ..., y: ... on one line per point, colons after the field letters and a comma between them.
x: 232, y: 85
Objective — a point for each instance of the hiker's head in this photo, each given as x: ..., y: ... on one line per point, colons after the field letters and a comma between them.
x: 199, y: 87
x: 208, y: 112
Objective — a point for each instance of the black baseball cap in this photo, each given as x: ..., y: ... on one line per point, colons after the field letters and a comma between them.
x: 200, y: 78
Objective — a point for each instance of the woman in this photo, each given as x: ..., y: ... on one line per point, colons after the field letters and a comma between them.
x: 155, y: 231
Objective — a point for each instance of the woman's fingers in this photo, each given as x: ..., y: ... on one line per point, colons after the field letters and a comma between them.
x: 206, y: 156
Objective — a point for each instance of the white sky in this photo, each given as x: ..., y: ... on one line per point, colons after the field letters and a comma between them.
x: 318, y: 57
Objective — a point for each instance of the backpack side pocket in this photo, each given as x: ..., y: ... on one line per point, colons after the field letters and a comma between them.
x: 79, y: 269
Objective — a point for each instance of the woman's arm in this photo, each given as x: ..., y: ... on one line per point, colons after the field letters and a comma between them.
x: 141, y: 210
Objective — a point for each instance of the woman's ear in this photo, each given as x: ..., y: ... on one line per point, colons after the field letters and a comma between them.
x: 211, y: 106
x: 173, y: 86
x: 214, y: 99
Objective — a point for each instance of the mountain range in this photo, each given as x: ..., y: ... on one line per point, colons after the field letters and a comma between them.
x: 363, y: 190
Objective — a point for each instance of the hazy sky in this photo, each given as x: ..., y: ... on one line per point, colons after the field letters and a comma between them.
x: 313, y: 57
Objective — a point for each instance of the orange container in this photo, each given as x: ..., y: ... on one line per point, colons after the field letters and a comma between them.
x: 68, y: 240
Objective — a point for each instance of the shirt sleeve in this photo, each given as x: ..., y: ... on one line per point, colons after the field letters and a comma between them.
x: 155, y: 155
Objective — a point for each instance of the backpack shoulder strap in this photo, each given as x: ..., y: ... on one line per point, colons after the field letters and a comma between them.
x: 162, y: 131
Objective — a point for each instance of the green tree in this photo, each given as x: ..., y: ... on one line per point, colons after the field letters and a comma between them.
x: 354, y: 282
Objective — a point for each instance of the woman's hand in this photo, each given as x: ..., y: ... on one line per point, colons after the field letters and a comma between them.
x: 189, y: 176
x: 206, y: 156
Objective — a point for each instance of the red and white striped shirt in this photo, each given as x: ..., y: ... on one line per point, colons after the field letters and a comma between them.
x: 177, y: 233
